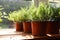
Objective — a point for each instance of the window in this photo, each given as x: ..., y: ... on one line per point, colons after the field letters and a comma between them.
x: 54, y: 0
x: 55, y: 3
x: 7, y: 6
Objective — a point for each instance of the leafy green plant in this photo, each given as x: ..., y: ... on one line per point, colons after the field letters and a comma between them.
x: 44, y: 12
x: 25, y: 14
x: 56, y: 10
x: 14, y: 16
x: 56, y: 13
x: 32, y: 11
x: 41, y: 13
x: 19, y: 16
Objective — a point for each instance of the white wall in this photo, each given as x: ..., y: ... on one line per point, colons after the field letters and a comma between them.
x: 36, y: 2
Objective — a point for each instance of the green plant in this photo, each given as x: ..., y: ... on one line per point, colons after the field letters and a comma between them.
x: 12, y: 16
x: 15, y: 16
x: 26, y: 15
x: 0, y: 11
x: 56, y: 13
x: 0, y: 14
x: 32, y: 11
x: 19, y: 16
x: 56, y: 10
x: 44, y: 12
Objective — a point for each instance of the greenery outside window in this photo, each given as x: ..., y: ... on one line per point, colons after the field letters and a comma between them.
x: 7, y: 6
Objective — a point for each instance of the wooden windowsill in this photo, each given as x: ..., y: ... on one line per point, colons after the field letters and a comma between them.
x: 11, y: 34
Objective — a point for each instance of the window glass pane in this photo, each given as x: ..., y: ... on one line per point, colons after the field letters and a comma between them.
x: 55, y: 3
x: 54, y: 0
x: 7, y: 6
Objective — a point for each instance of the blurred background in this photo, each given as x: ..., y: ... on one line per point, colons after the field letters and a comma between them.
x: 7, y: 6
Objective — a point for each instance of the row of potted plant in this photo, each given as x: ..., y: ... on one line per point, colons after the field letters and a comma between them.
x: 39, y: 20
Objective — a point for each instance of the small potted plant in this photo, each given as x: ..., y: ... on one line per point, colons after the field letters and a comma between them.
x: 35, y: 24
x: 38, y: 20
x: 17, y: 19
x: 52, y: 24
x: 26, y: 21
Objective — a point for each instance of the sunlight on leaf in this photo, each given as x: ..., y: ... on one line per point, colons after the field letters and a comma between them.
x: 0, y: 20
x: 0, y: 27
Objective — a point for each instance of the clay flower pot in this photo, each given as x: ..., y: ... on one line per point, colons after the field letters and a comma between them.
x: 38, y: 28
x: 52, y: 27
x: 19, y: 26
x: 59, y: 24
x: 27, y: 27
x: 58, y: 19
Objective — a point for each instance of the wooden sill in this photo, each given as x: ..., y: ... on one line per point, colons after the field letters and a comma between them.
x: 11, y: 34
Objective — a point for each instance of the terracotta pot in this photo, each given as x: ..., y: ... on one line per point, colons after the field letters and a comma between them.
x: 43, y: 27
x: 59, y: 24
x: 58, y: 19
x: 38, y: 28
x: 19, y: 26
x: 52, y: 27
x: 27, y: 27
